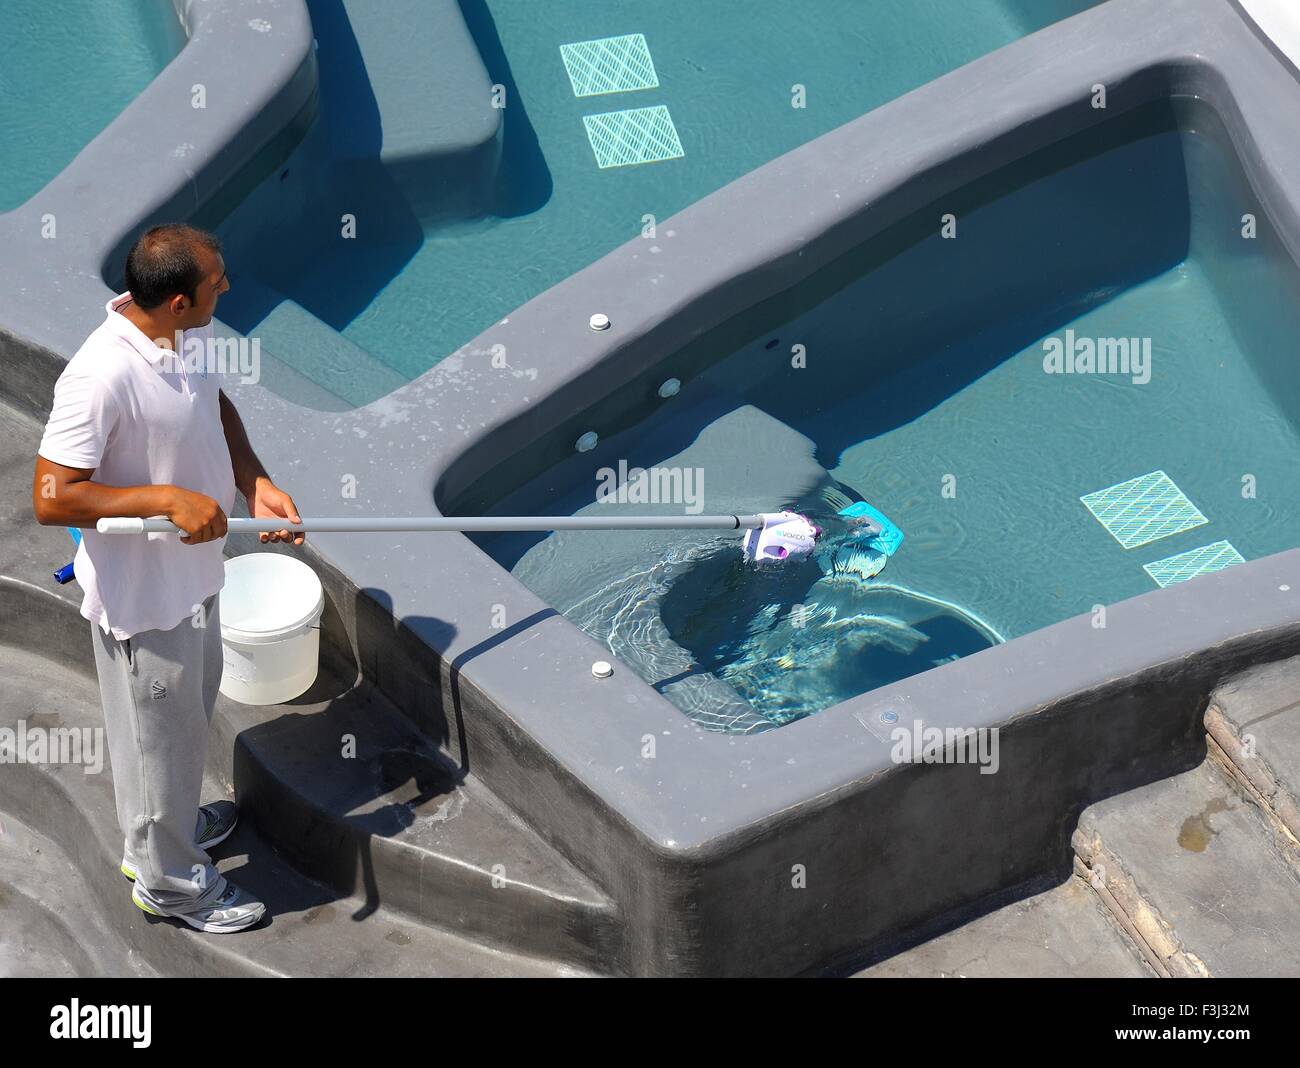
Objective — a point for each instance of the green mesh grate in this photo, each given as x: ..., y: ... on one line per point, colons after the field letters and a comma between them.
x: 1143, y: 509
x: 642, y: 135
x: 609, y: 65
x: 1194, y: 562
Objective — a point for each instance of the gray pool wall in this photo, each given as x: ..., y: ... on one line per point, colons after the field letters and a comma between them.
x: 700, y: 845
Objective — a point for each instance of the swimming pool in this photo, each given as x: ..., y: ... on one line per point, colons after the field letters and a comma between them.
x: 50, y: 107
x: 678, y: 840
x: 918, y: 372
x: 441, y: 249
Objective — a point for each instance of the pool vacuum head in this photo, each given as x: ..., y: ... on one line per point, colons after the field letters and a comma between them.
x: 873, y: 539
x: 783, y: 536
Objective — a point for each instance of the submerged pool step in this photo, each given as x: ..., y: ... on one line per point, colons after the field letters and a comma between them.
x: 327, y: 367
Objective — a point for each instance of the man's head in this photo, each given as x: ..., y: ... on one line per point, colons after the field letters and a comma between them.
x: 175, y: 273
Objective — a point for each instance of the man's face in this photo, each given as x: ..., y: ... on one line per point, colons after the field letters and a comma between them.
x: 213, y: 285
x: 199, y: 312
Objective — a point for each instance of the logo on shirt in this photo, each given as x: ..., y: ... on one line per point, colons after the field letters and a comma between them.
x: 240, y: 356
x: 159, y: 690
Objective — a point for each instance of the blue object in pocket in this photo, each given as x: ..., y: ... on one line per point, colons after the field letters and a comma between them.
x: 65, y: 574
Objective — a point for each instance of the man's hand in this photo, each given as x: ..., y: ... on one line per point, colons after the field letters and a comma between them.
x: 271, y: 502
x: 198, y: 515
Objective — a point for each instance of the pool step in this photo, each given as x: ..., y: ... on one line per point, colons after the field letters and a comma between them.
x: 1060, y: 932
x: 1253, y: 723
x: 314, y: 930
x: 358, y: 798
x: 329, y: 373
x: 444, y: 159
x: 1204, y: 868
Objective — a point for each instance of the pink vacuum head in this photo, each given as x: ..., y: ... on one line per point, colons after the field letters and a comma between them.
x: 783, y: 536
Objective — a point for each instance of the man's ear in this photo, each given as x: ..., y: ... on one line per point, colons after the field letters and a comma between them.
x: 178, y: 304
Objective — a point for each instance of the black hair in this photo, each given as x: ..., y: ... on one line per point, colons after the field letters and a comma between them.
x: 164, y: 261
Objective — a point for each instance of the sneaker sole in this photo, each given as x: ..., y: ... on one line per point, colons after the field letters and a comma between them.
x: 197, y: 924
x: 209, y: 844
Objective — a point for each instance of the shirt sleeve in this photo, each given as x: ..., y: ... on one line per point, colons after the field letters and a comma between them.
x: 81, y: 421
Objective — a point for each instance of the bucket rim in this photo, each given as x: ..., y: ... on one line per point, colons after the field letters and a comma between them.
x: 289, y: 629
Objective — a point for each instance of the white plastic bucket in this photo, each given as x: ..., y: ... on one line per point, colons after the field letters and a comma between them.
x: 270, y: 628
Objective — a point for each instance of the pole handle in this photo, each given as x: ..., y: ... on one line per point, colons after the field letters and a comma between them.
x: 124, y: 525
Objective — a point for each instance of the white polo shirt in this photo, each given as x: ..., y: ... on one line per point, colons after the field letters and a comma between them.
x: 140, y: 416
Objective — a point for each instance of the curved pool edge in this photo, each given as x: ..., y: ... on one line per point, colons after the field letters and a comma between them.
x: 258, y: 54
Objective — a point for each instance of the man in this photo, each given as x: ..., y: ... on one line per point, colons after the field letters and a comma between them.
x: 141, y: 428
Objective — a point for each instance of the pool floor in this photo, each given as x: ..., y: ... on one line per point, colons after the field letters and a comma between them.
x: 1011, y: 539
x: 66, y: 71
x: 986, y: 485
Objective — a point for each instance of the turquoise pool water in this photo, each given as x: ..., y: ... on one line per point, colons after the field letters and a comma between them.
x: 410, y: 290
x: 66, y: 70
x: 925, y: 391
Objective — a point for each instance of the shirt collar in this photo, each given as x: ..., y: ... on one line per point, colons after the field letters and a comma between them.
x: 121, y: 326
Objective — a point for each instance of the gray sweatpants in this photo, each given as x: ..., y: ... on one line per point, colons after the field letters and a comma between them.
x: 158, y: 689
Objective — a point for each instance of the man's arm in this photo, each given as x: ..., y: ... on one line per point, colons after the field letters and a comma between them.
x: 67, y: 496
x: 247, y: 467
x: 265, y: 499
x: 81, y: 423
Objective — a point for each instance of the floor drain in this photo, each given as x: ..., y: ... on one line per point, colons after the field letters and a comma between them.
x: 641, y: 135
x: 1202, y: 561
x: 609, y: 65
x: 1143, y: 509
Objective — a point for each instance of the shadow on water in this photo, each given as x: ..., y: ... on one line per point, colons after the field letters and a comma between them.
x: 571, y: 485
x: 288, y: 233
x: 285, y: 240
x: 351, y: 114
x: 912, y: 318
x: 523, y: 179
x: 797, y: 637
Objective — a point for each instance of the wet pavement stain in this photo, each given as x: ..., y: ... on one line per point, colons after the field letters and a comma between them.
x: 320, y: 914
x: 1196, y: 832
x: 397, y: 938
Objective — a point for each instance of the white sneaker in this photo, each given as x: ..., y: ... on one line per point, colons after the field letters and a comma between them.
x: 233, y: 911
